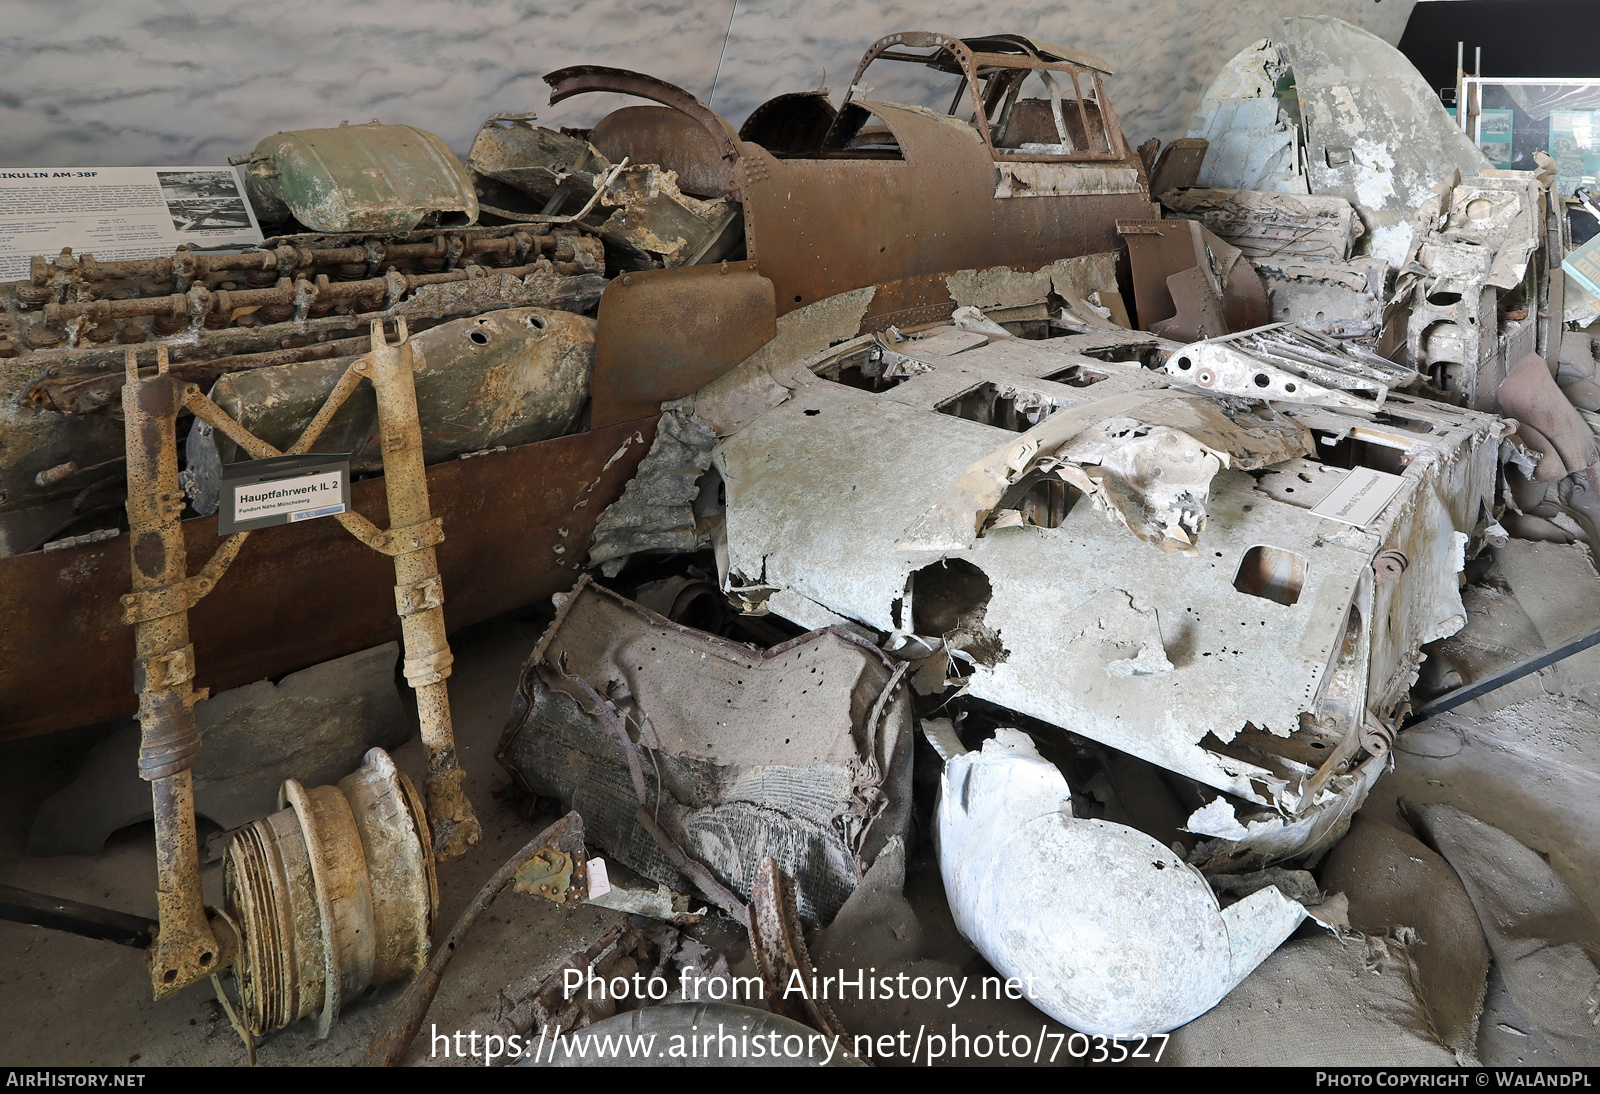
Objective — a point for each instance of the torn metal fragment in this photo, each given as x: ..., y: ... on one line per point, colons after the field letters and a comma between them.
x: 1283, y: 362
x: 953, y: 517
x: 800, y: 754
x: 1376, y: 134
x: 1263, y: 224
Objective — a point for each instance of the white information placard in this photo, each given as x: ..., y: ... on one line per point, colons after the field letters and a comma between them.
x: 1360, y: 497
x: 298, y: 499
x: 120, y: 213
x: 282, y: 490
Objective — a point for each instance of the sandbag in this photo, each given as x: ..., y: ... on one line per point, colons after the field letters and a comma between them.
x: 1392, y: 881
x: 1319, y: 1002
x: 1545, y: 941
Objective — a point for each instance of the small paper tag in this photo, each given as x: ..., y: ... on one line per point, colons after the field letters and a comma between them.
x: 1360, y: 497
x: 599, y: 883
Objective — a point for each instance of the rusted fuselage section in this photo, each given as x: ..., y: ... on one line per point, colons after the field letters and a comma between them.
x: 893, y: 193
x: 816, y: 227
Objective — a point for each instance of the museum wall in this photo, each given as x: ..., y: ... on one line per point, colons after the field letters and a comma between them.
x: 87, y: 83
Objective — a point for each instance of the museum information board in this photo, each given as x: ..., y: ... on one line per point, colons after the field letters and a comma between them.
x: 120, y: 213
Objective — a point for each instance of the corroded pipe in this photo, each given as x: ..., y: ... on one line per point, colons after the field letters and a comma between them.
x: 418, y: 591
x: 185, y: 949
x: 285, y: 257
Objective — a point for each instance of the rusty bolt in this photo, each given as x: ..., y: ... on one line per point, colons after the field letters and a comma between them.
x: 130, y: 333
x: 627, y: 280
x: 8, y: 348
x: 1389, y: 565
x: 53, y: 475
x: 42, y: 337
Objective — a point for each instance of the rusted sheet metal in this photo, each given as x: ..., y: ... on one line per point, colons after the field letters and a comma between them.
x: 794, y: 122
x: 517, y: 525
x: 829, y: 217
x: 1178, y: 165
x: 1161, y: 248
x: 1198, y: 306
x: 671, y: 140
x: 692, y: 324
x: 509, y: 148
x: 581, y: 79
x: 657, y: 225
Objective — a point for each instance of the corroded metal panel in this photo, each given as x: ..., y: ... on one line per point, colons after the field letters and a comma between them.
x: 665, y: 334
x: 517, y: 525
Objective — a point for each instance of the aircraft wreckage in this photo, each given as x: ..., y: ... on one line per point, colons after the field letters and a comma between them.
x: 935, y: 403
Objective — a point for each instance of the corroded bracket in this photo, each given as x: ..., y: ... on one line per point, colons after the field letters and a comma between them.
x: 778, y: 947
x: 164, y: 600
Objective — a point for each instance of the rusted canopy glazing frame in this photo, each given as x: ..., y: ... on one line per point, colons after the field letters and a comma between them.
x: 970, y: 64
x: 187, y: 949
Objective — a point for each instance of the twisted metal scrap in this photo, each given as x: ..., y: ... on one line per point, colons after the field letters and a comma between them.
x: 778, y: 946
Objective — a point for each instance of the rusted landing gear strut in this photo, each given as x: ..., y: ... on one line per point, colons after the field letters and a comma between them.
x: 190, y: 945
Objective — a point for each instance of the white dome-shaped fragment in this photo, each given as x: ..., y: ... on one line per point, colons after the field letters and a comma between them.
x: 1110, y: 932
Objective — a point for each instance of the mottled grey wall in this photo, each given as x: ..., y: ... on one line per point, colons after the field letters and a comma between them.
x: 90, y: 83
